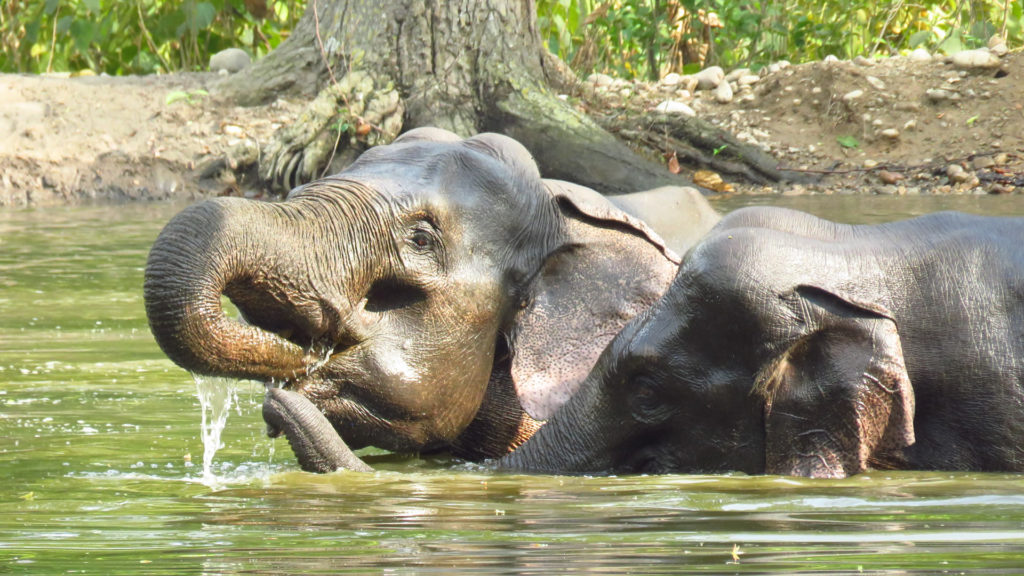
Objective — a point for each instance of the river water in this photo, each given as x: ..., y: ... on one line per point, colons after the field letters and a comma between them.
x: 101, y: 461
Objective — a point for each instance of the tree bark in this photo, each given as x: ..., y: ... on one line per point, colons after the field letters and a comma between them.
x: 467, y: 66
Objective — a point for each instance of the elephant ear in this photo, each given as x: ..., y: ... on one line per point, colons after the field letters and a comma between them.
x: 612, y: 268
x: 839, y: 399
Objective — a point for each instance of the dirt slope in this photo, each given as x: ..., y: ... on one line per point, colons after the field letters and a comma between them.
x: 71, y: 140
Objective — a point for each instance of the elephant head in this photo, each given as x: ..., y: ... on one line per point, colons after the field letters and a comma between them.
x: 420, y: 299
x: 747, y: 363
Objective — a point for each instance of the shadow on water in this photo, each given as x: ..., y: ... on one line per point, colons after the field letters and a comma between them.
x: 101, y: 451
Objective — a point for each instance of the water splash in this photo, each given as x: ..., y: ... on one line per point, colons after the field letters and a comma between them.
x: 216, y: 397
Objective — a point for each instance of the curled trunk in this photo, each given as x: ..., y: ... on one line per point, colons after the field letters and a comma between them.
x: 193, y: 262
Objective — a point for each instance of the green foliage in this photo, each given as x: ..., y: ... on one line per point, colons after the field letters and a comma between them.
x: 649, y: 38
x: 627, y: 38
x: 847, y: 141
x: 136, y: 36
x: 190, y: 97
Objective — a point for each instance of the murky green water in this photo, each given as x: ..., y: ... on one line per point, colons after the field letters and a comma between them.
x: 101, y: 462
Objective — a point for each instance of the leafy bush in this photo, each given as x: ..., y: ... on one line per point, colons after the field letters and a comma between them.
x: 649, y: 38
x: 136, y: 36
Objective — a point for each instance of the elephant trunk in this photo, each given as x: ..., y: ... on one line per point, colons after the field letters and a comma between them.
x: 200, y: 255
x: 314, y: 441
x: 576, y: 440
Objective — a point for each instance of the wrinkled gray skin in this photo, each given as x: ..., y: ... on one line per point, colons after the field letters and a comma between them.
x: 793, y: 345
x: 436, y: 295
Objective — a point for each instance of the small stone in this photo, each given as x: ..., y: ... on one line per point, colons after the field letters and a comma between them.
x: 910, y: 125
x: 863, y: 62
x: 890, y: 133
x: 957, y: 174
x: 853, y: 95
x: 675, y: 107
x: 890, y: 177
x: 906, y: 106
x: 1001, y: 158
x: 997, y: 188
x: 997, y: 44
x: 723, y: 93
x: 978, y: 58
x: 941, y: 95
x: 778, y: 66
x: 869, y: 163
x: 887, y: 190
x: 830, y: 59
x: 748, y: 79
x: 736, y: 74
x: 920, y: 55
x: 671, y: 79
x: 876, y: 83
x: 983, y: 162
x: 600, y: 80
x: 709, y: 78
x: 230, y: 60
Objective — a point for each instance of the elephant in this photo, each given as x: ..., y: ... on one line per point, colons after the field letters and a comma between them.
x: 436, y: 295
x: 792, y: 345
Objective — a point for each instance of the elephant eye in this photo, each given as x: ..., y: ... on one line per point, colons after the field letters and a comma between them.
x: 421, y: 239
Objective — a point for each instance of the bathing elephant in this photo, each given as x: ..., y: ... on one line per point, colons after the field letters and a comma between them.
x: 792, y: 345
x: 436, y: 295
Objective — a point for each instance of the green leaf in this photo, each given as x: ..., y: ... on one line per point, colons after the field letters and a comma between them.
x: 972, y: 120
x: 919, y: 38
x: 847, y: 141
x: 175, y: 96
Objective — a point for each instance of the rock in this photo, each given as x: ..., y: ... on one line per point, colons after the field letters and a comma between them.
x: 940, y: 95
x: 830, y: 59
x: 748, y: 80
x: 675, y: 107
x: 876, y: 83
x: 997, y: 44
x: 600, y: 80
x: 869, y: 163
x: 983, y: 162
x: 957, y: 174
x: 736, y: 74
x: 775, y: 67
x: 1001, y: 158
x: 723, y: 93
x: 909, y: 125
x: 890, y: 133
x: 671, y: 79
x: 230, y: 61
x: 890, y: 177
x: 853, y: 95
x: 973, y: 59
x: 709, y: 78
x: 997, y: 188
x: 920, y: 55
x: 863, y: 62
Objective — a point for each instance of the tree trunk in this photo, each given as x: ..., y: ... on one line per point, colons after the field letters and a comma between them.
x: 467, y: 66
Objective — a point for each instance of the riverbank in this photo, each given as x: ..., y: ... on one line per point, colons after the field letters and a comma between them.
x: 904, y: 125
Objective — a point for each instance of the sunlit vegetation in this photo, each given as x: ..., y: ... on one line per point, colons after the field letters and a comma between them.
x: 626, y: 38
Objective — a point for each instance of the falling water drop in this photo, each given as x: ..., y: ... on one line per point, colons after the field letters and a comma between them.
x: 216, y: 396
